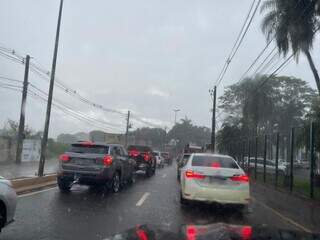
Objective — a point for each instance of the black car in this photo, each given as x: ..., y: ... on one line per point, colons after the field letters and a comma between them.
x: 92, y: 163
x: 145, y: 160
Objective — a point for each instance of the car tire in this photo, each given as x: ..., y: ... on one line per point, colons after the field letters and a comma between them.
x: 64, y: 185
x: 149, y: 172
x: 2, y: 217
x: 183, y: 201
x: 116, y: 183
x: 132, y: 178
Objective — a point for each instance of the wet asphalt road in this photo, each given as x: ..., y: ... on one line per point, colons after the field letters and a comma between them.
x: 91, y: 214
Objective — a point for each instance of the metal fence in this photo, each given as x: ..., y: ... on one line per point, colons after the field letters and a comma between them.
x: 288, y: 160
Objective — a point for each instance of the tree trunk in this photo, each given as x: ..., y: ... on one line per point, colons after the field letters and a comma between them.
x: 314, y: 70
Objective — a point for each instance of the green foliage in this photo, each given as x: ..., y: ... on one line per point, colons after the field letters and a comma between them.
x: 282, y: 102
x: 293, y: 24
x: 155, y: 136
x: 185, y: 132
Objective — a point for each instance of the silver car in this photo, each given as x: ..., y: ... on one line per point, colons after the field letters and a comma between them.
x: 8, y: 202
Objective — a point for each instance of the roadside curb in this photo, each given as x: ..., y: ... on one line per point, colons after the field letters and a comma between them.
x: 33, y: 183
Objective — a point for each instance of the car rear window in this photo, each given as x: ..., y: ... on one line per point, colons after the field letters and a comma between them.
x: 213, y: 161
x: 97, y: 149
x: 139, y: 148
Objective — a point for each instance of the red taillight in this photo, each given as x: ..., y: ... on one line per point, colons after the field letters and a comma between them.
x: 134, y: 153
x: 87, y: 143
x: 240, y: 178
x: 64, y: 157
x: 107, y: 160
x: 246, y: 232
x: 191, y: 232
x: 147, y: 156
x: 215, y: 165
x: 142, y: 235
x: 192, y: 174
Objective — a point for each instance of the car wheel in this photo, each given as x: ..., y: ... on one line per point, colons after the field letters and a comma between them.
x: 2, y: 217
x: 132, y: 178
x: 183, y: 201
x: 64, y: 185
x: 116, y: 183
x: 149, y: 172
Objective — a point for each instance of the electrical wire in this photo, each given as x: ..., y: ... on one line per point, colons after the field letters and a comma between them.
x: 232, y: 54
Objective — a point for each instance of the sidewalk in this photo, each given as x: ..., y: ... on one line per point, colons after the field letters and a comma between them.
x: 303, y: 211
x: 26, y: 169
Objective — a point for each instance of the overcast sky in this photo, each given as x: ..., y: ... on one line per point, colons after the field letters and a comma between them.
x: 144, y: 55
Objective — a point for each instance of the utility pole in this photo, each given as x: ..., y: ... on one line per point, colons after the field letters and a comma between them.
x: 48, y: 112
x: 175, y: 115
x: 127, y: 129
x: 22, y: 111
x: 213, y: 94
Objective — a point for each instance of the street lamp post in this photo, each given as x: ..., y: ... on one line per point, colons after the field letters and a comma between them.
x: 175, y: 115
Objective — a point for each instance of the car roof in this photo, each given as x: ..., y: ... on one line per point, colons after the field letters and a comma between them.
x: 212, y: 154
x: 102, y: 144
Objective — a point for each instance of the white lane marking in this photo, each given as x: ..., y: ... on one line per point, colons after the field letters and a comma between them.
x: 283, y: 217
x: 164, y: 175
x: 37, y: 192
x: 142, y: 199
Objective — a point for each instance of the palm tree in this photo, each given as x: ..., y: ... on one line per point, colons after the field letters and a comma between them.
x: 293, y: 24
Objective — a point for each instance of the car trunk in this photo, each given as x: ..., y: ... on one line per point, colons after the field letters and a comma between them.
x: 84, y: 162
x: 218, y: 178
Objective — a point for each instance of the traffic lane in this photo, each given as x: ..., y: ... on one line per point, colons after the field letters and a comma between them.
x: 92, y: 214
x: 82, y: 214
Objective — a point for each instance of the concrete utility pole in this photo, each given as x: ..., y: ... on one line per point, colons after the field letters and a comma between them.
x: 48, y: 113
x: 175, y: 115
x: 213, y: 94
x: 22, y: 111
x: 127, y: 129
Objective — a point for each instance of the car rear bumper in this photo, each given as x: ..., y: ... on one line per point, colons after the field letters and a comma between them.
x: 223, y: 196
x: 87, y: 178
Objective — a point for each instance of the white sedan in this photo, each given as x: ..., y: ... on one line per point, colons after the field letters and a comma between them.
x: 214, y: 178
x: 8, y: 202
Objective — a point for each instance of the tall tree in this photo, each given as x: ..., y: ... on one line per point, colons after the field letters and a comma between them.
x: 294, y: 24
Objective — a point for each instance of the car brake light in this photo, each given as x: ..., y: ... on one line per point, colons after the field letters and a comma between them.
x: 240, y: 178
x: 246, y: 232
x: 87, y: 143
x: 147, y: 156
x: 195, y: 175
x: 64, y: 157
x: 134, y: 153
x: 107, y: 160
x: 191, y: 232
x: 215, y: 165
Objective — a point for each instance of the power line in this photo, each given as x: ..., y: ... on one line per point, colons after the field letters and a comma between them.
x: 77, y: 112
x: 73, y: 113
x: 44, y: 74
x: 232, y: 54
x: 10, y: 79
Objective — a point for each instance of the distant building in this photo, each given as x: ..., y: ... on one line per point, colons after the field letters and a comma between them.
x: 100, y: 136
x: 66, y: 138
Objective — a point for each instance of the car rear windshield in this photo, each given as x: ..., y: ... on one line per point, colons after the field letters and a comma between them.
x: 213, y: 161
x: 97, y: 149
x: 139, y: 148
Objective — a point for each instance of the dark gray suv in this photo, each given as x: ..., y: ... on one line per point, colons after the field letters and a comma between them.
x: 92, y: 163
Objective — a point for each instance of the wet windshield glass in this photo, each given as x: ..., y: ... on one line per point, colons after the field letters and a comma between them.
x: 177, y: 114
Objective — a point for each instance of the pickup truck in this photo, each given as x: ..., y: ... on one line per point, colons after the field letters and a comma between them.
x: 92, y: 163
